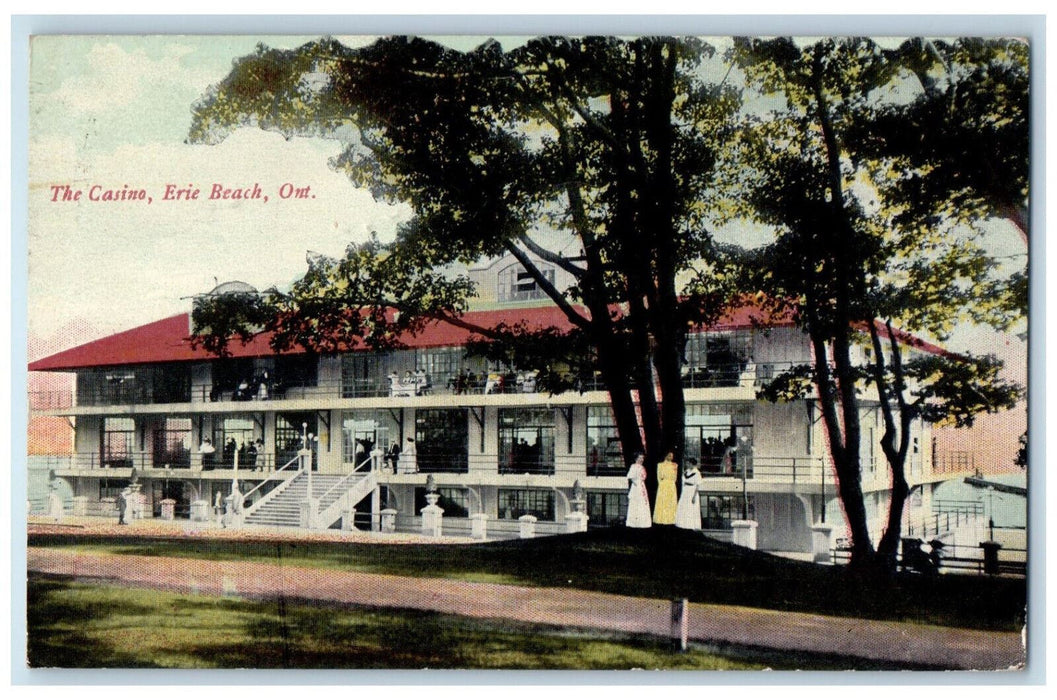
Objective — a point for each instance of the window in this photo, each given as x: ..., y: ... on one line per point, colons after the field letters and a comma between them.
x: 716, y: 359
x: 717, y: 512
x: 454, y: 501
x: 362, y: 431
x: 231, y: 435
x: 363, y: 374
x: 169, y: 383
x: 110, y: 488
x: 172, y: 444
x: 442, y: 439
x: 718, y: 436
x: 119, y: 443
x: 516, y: 284
x: 603, y: 445
x: 288, y: 437
x: 513, y: 503
x: 606, y: 508
x: 526, y: 441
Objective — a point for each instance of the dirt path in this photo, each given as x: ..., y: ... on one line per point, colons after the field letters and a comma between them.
x: 901, y: 643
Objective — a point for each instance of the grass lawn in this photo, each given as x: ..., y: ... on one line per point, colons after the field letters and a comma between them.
x: 653, y: 563
x: 76, y: 625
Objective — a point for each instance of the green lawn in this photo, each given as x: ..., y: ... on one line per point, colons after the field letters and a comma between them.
x: 76, y: 625
x: 654, y: 563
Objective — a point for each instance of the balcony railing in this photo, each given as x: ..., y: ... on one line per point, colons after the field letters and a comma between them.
x: 87, y: 461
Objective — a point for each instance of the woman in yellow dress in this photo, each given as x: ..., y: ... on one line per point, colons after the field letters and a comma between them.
x: 664, y: 508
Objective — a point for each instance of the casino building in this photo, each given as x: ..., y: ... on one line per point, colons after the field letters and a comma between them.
x: 306, y: 441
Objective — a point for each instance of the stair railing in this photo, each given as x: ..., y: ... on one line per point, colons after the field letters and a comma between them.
x: 355, y: 472
x: 287, y: 478
x: 366, y: 483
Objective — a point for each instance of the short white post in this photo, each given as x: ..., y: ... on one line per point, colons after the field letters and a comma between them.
x: 576, y: 522
x: 432, y: 516
x: 80, y: 506
x: 389, y: 520
x: 821, y: 543
x: 527, y: 526
x: 348, y: 519
x: 744, y: 533
x: 479, y: 526
x: 168, y: 509
x: 680, y: 624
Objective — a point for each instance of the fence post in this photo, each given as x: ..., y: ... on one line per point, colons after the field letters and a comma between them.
x: 680, y: 624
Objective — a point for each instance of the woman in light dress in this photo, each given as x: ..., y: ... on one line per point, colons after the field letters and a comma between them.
x: 664, y: 509
x: 638, y: 499
x: 688, y: 513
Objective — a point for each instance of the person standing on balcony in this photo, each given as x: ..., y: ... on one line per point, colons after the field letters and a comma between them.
x: 688, y: 512
x: 664, y: 508
x: 638, y: 499
x: 393, y: 456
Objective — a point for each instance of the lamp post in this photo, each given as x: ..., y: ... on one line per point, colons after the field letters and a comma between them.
x: 305, y: 453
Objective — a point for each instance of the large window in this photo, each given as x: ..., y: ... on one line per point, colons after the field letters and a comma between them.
x: 169, y: 383
x: 288, y: 437
x: 603, y: 445
x: 526, y: 441
x: 717, y: 511
x: 454, y: 501
x: 516, y: 284
x: 363, y: 374
x: 442, y: 439
x: 719, y: 437
x: 119, y: 443
x: 606, y: 508
x: 232, y: 435
x: 172, y: 444
x: 362, y: 431
x: 716, y: 359
x: 513, y: 503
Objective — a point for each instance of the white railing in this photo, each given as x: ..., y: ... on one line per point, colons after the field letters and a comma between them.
x: 332, y: 510
x: 286, y: 479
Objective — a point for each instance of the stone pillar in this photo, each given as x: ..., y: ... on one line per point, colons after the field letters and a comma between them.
x: 576, y: 522
x: 389, y: 520
x: 80, y: 506
x: 168, y: 509
x: 479, y: 526
x: 348, y: 519
x: 199, y: 511
x: 744, y: 533
x: 308, y: 513
x: 432, y: 516
x: 527, y: 526
x: 821, y: 543
x: 56, y: 509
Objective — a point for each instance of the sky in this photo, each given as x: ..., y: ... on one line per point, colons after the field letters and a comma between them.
x: 113, y: 113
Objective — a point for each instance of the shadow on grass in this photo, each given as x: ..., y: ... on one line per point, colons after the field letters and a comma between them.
x: 79, y: 625
x: 653, y: 563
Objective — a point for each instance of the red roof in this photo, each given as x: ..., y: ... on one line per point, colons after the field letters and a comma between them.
x: 168, y: 340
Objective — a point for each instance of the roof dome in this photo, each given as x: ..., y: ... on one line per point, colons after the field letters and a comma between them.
x: 232, y: 287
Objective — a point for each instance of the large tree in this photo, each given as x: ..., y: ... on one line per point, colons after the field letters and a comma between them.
x: 604, y: 145
x: 852, y: 263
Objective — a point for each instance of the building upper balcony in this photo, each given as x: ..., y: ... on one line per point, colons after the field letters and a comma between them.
x: 738, y: 381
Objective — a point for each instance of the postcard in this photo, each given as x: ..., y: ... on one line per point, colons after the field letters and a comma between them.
x: 528, y: 352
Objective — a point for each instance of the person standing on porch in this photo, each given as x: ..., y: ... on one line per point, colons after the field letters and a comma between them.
x: 638, y: 499
x: 664, y: 508
x: 688, y: 512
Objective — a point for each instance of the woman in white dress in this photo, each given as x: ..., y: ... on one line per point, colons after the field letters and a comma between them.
x: 638, y: 499
x: 688, y: 513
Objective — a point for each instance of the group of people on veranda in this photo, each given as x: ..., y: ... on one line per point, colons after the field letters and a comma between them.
x: 682, y: 511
